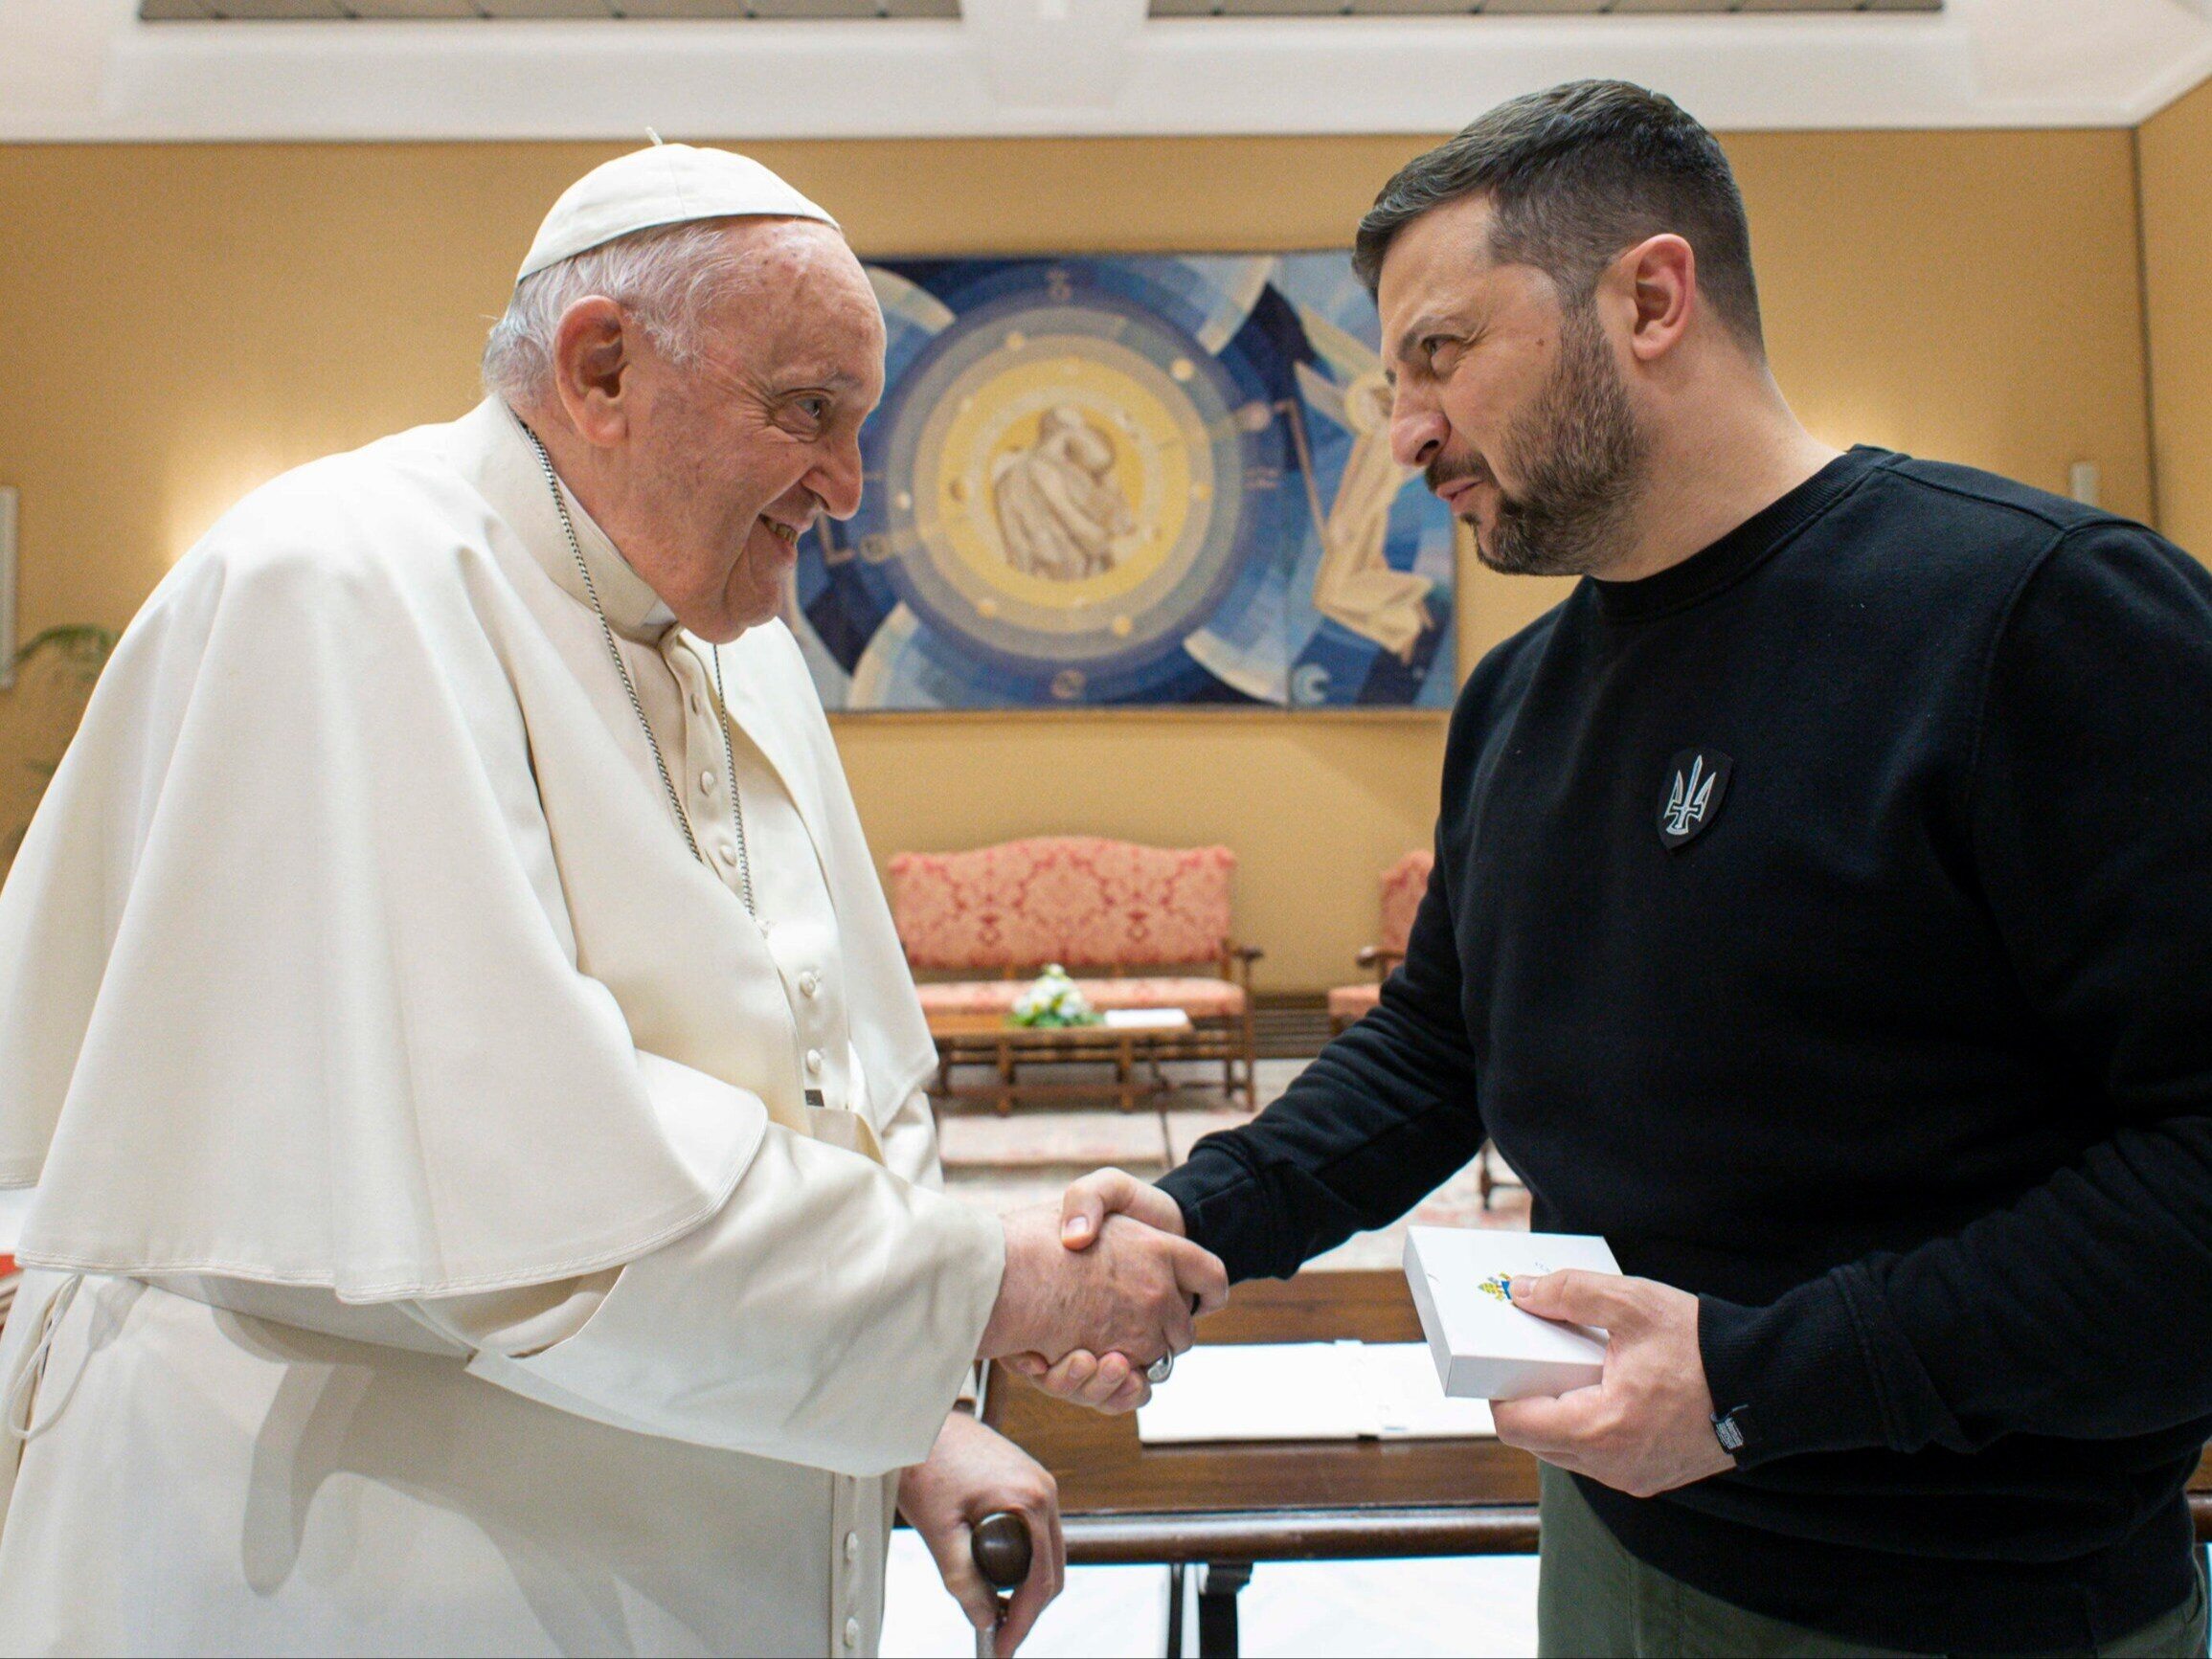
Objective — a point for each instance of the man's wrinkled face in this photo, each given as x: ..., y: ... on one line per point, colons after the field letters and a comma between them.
x: 1512, y: 405
x: 743, y: 448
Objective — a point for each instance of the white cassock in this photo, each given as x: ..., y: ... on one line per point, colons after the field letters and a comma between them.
x: 460, y: 1226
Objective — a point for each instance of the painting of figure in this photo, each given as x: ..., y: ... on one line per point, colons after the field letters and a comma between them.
x: 1059, y: 511
x: 1160, y: 482
x: 1355, y: 584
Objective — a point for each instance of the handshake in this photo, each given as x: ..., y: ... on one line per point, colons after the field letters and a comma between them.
x: 1099, y: 1289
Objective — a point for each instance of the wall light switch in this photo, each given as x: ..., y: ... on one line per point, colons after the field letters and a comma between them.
x: 7, y: 587
x: 2082, y: 481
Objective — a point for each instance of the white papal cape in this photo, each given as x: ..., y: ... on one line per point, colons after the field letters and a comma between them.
x: 460, y: 1226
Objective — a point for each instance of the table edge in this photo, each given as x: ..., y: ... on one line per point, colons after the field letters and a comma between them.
x: 1323, y: 1535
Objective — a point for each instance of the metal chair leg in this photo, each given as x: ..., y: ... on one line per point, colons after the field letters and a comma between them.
x: 1217, y: 1592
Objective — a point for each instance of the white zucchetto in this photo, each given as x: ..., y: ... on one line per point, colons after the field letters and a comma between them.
x: 669, y: 184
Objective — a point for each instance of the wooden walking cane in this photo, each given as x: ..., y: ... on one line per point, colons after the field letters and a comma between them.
x: 1002, y: 1550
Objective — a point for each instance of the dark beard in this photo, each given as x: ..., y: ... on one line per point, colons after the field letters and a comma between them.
x: 1581, y: 460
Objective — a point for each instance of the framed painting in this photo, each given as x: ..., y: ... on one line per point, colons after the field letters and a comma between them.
x: 1112, y: 481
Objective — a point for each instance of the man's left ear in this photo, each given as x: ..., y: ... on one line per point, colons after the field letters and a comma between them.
x: 1661, y: 275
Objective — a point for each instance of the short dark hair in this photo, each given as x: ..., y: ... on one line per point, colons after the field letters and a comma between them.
x: 1575, y: 175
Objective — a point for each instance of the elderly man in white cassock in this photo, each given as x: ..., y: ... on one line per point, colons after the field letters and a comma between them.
x: 486, y: 1200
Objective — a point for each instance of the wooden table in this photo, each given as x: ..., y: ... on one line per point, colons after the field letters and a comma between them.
x: 1222, y: 1508
x: 991, y: 1038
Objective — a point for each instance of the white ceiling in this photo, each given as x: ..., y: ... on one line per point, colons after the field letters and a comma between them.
x: 90, y: 70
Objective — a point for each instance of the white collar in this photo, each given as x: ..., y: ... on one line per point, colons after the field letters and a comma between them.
x: 515, y: 477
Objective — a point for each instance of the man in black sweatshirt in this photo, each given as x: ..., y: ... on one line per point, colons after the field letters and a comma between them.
x: 1822, y: 914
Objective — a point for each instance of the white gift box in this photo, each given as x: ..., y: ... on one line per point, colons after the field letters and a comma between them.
x: 1484, y: 1347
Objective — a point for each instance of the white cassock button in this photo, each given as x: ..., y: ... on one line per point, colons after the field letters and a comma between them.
x: 852, y: 1548
x: 814, y: 1062
x: 810, y: 984
x: 729, y: 851
x: 852, y: 1632
x: 706, y: 783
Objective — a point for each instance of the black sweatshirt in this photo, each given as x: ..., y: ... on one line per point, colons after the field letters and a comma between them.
x: 1898, y: 1056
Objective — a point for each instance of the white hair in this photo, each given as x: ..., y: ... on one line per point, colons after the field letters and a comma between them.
x: 664, y: 278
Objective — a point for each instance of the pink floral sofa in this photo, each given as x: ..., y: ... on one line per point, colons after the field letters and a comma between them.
x: 1403, y: 885
x: 1118, y: 916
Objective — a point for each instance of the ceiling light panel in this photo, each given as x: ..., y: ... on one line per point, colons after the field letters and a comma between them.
x: 408, y: 10
x: 274, y: 11
x: 662, y: 11
x: 531, y: 10
x: 1516, y: 7
x: 540, y: 11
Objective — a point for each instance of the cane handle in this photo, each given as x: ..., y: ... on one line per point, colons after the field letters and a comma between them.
x: 999, y: 1544
x: 1001, y: 1549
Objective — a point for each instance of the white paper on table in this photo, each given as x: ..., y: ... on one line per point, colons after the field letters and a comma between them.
x: 1307, y: 1391
x: 1145, y: 1019
x: 1412, y: 1404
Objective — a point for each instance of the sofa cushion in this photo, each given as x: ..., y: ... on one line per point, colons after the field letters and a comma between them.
x: 1081, y: 901
x: 1200, y: 998
x: 1350, y: 1003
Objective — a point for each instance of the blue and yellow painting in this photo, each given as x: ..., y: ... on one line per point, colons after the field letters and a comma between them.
x: 1142, y: 480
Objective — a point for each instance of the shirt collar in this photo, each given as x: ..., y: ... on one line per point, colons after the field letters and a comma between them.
x: 1724, y: 562
x: 515, y: 482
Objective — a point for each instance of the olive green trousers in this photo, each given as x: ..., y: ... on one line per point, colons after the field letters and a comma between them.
x: 1595, y: 1599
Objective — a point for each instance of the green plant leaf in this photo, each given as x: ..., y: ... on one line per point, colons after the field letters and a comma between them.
x: 86, y: 645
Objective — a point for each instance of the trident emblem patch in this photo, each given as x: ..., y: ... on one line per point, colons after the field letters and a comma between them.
x: 1697, y: 779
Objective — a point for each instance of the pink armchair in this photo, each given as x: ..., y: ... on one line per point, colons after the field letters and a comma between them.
x: 1403, y: 885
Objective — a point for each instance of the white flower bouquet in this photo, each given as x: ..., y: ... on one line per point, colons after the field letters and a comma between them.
x: 1053, y: 1000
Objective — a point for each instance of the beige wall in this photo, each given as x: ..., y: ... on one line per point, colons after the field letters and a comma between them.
x: 187, y: 320
x: 2177, y: 169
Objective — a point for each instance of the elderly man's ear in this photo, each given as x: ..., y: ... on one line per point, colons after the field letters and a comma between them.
x: 594, y: 363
